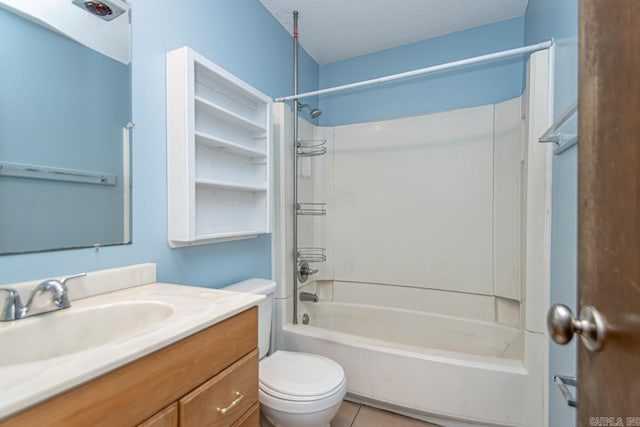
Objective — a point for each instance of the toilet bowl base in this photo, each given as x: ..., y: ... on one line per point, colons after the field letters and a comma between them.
x: 285, y: 419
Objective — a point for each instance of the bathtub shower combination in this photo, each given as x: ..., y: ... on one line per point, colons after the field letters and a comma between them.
x: 430, y: 236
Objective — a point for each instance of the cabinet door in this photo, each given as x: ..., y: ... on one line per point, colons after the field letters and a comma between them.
x: 168, y: 417
x: 225, y: 398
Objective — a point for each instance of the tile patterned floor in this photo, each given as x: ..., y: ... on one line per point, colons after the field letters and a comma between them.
x: 355, y: 415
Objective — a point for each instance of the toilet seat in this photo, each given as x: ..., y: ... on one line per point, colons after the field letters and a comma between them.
x: 300, y: 382
x: 302, y: 407
x: 300, y: 376
x: 279, y: 395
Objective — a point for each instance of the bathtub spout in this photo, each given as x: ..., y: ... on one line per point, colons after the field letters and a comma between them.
x: 308, y: 296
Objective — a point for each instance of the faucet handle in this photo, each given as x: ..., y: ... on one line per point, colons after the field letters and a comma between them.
x: 59, y: 293
x: 61, y: 299
x: 12, y: 308
x: 305, y: 270
x: 64, y: 281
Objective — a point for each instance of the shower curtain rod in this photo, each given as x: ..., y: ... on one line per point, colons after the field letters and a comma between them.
x: 475, y: 60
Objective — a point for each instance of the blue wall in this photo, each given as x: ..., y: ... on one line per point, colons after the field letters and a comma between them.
x: 65, y: 106
x: 559, y: 19
x: 476, y: 85
x: 242, y: 37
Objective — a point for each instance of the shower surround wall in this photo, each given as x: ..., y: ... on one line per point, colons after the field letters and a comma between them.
x: 429, y: 205
x: 415, y: 199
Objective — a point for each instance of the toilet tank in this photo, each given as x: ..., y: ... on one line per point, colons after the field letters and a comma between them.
x: 265, y: 307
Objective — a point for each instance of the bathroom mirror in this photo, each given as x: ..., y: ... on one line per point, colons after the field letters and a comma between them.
x: 65, y: 124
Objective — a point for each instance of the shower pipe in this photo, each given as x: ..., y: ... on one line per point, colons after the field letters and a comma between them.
x: 295, y: 168
x: 422, y: 71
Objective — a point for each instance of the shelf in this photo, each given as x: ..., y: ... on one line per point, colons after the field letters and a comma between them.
x: 564, y: 132
x: 211, y: 74
x: 230, y: 185
x: 218, y: 154
x: 202, y: 239
x: 231, y: 147
x: 228, y: 116
x: 229, y: 234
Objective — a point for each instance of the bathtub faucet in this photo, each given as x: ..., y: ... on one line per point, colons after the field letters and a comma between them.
x: 308, y: 296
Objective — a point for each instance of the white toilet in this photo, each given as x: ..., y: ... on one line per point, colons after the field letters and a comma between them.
x: 296, y: 389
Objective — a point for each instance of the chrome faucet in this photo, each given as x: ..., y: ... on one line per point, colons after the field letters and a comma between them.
x: 308, y: 296
x: 13, y: 309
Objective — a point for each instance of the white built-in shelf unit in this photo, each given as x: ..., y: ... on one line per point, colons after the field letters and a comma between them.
x: 218, y: 153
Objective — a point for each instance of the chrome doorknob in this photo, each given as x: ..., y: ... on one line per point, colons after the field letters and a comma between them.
x: 590, y: 326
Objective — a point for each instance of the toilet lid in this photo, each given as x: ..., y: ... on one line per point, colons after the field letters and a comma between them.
x: 300, y: 374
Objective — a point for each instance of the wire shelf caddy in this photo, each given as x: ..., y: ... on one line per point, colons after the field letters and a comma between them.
x: 311, y: 147
x: 312, y: 254
x: 317, y: 209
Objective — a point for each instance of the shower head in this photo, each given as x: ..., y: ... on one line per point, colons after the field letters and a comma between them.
x: 314, y: 113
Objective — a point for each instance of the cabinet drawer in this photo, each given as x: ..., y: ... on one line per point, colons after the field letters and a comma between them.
x: 168, y: 417
x: 222, y: 400
x: 251, y: 418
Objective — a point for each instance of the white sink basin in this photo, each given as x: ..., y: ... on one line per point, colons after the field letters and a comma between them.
x: 73, y: 330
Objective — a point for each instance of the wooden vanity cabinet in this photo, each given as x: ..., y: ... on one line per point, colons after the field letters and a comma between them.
x: 207, y: 379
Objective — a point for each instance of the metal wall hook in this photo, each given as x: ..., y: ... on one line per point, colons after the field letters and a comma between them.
x: 563, y: 382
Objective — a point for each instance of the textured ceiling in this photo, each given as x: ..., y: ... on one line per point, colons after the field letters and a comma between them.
x: 331, y: 30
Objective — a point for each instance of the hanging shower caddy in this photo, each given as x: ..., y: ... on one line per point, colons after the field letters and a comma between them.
x: 304, y: 256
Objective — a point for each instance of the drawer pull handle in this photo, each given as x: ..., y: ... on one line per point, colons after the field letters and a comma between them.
x: 229, y: 407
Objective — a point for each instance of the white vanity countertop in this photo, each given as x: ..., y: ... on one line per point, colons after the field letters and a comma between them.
x: 194, y: 309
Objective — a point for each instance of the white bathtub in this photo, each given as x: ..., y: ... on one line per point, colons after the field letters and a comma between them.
x: 443, y: 369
